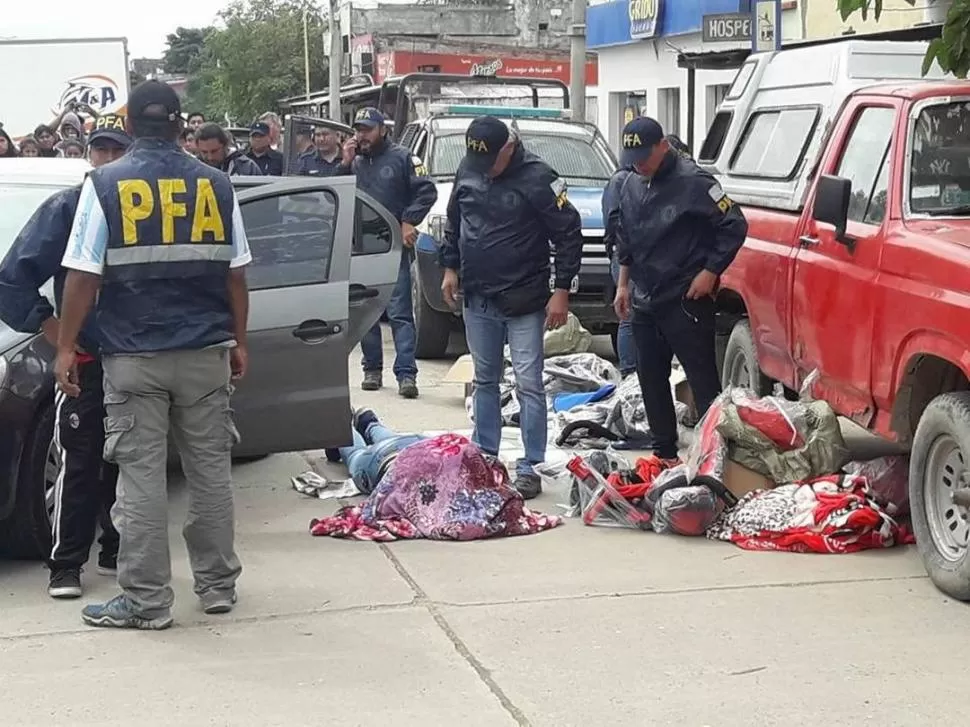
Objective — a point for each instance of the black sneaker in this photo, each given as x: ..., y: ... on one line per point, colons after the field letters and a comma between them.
x: 529, y: 486
x: 363, y: 418
x: 108, y: 564
x: 408, y: 388
x: 373, y: 381
x: 65, y: 583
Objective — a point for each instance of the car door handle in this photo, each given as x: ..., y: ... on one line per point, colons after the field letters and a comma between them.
x: 807, y: 241
x: 315, y: 329
x: 362, y: 292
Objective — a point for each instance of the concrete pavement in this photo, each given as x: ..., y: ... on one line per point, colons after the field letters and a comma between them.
x: 577, y: 626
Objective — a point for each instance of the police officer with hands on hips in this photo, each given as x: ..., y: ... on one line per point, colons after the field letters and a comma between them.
x: 85, y: 488
x: 676, y: 231
x: 387, y: 172
x: 159, y: 241
x: 506, y: 206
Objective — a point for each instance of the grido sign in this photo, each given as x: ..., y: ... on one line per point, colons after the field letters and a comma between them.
x: 726, y: 27
x: 645, y: 18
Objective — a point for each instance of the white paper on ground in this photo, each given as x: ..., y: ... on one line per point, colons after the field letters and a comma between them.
x: 313, y: 485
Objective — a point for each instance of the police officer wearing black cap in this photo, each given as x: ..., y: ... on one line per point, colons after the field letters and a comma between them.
x: 506, y: 207
x: 85, y: 487
x: 159, y: 241
x: 676, y: 231
x: 269, y: 161
x: 324, y: 157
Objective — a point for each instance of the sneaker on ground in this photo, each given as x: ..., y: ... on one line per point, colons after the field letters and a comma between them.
x: 363, y: 418
x: 529, y: 486
x: 108, y: 564
x: 408, y: 388
x: 65, y: 583
x: 373, y: 381
x: 333, y: 455
x: 118, y: 613
x: 214, y: 602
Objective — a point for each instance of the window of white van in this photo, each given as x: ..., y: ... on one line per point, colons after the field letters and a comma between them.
x: 741, y: 80
x: 774, y: 142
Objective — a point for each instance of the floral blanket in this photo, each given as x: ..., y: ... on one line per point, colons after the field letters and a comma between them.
x: 443, y: 488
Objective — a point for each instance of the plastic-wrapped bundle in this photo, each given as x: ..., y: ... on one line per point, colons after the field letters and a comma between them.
x: 687, y: 510
x: 888, y: 478
x: 600, y: 503
x: 708, y: 455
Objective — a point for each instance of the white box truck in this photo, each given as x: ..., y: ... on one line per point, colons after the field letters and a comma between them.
x: 41, y: 76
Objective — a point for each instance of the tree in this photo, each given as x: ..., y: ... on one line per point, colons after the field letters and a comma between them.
x: 951, y: 50
x: 256, y: 59
x: 185, y: 46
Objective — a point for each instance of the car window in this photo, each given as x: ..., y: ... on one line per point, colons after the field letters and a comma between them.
x: 939, y: 176
x: 774, y: 143
x: 573, y: 158
x: 372, y: 234
x: 291, y: 237
x: 741, y: 80
x: 864, y: 164
x: 17, y: 203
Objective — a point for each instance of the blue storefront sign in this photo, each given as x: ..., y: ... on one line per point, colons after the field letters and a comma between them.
x: 628, y: 21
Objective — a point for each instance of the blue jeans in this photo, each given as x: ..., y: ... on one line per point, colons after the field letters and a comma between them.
x: 487, y: 332
x: 626, y: 348
x: 364, y: 457
x: 401, y: 317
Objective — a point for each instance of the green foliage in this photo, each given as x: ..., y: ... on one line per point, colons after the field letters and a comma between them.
x: 951, y: 50
x: 255, y: 58
x: 184, y: 48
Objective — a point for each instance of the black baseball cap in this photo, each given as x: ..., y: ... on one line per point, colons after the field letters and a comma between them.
x: 640, y: 136
x: 109, y: 127
x: 154, y: 93
x: 259, y: 129
x: 484, y: 139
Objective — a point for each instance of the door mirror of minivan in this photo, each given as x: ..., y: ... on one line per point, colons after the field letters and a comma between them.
x: 831, y: 205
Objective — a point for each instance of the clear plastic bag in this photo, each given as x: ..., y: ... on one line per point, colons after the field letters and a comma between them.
x: 708, y: 454
x: 556, y: 476
x: 888, y: 479
x: 781, y: 422
x: 687, y: 510
x: 600, y: 504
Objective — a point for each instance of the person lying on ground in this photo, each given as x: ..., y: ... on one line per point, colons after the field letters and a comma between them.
x: 375, y: 447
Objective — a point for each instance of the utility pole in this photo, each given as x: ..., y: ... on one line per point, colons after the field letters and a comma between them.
x: 577, y: 61
x: 336, y: 60
x: 306, y: 50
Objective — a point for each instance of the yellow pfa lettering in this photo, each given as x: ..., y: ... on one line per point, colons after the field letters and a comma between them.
x: 170, y: 208
x: 478, y: 145
x: 110, y: 121
x: 631, y: 141
x: 207, y: 217
x: 725, y: 204
x: 137, y: 203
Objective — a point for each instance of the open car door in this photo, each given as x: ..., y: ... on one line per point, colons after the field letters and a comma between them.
x: 296, y: 394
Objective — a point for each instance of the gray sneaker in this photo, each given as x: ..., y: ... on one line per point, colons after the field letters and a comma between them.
x: 529, y: 486
x: 373, y: 381
x: 408, y: 388
x: 214, y: 602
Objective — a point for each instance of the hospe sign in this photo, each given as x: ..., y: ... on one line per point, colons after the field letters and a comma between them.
x: 645, y: 18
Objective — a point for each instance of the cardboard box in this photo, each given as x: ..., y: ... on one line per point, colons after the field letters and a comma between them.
x: 740, y: 480
x: 462, y: 372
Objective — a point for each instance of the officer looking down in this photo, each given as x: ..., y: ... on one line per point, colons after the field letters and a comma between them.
x: 269, y: 161
x: 87, y: 484
x: 676, y: 232
x: 324, y: 159
x: 214, y: 147
x: 159, y: 241
x: 387, y: 172
x: 506, y: 206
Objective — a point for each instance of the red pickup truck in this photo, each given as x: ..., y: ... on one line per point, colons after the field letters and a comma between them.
x: 868, y: 282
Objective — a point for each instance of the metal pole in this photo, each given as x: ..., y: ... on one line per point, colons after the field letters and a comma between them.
x: 336, y: 59
x: 577, y: 61
x: 306, y: 51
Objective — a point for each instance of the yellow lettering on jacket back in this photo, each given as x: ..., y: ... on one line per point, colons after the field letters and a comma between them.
x: 207, y: 217
x: 167, y: 189
x: 138, y: 201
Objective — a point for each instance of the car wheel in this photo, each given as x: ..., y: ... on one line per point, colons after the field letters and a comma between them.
x: 939, y: 487
x: 432, y: 327
x: 741, y: 362
x: 27, y: 533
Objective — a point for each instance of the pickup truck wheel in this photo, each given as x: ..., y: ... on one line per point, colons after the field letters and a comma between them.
x: 741, y: 362
x: 432, y: 327
x: 26, y: 534
x: 939, y: 488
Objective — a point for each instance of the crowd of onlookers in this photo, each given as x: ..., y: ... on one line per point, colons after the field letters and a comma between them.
x: 62, y: 137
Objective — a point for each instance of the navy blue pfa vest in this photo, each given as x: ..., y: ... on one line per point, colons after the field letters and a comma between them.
x: 165, y: 279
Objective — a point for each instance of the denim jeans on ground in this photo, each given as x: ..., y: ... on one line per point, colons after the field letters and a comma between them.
x: 364, y: 457
x: 401, y: 318
x: 487, y: 332
x: 626, y: 348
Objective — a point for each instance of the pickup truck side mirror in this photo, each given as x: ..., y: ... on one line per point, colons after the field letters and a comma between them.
x: 832, y: 195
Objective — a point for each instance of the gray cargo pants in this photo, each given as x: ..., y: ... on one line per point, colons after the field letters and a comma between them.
x: 145, y: 396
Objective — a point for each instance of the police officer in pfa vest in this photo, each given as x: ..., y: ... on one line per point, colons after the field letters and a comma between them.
x: 506, y: 206
x: 159, y: 241
x: 676, y: 232
x: 86, y: 484
x: 387, y: 172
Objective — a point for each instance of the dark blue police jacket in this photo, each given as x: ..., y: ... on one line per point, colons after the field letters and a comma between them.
x: 311, y: 164
x: 672, y: 226
x: 165, y: 278
x: 389, y: 176
x: 498, y: 230
x: 611, y: 203
x: 35, y: 258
